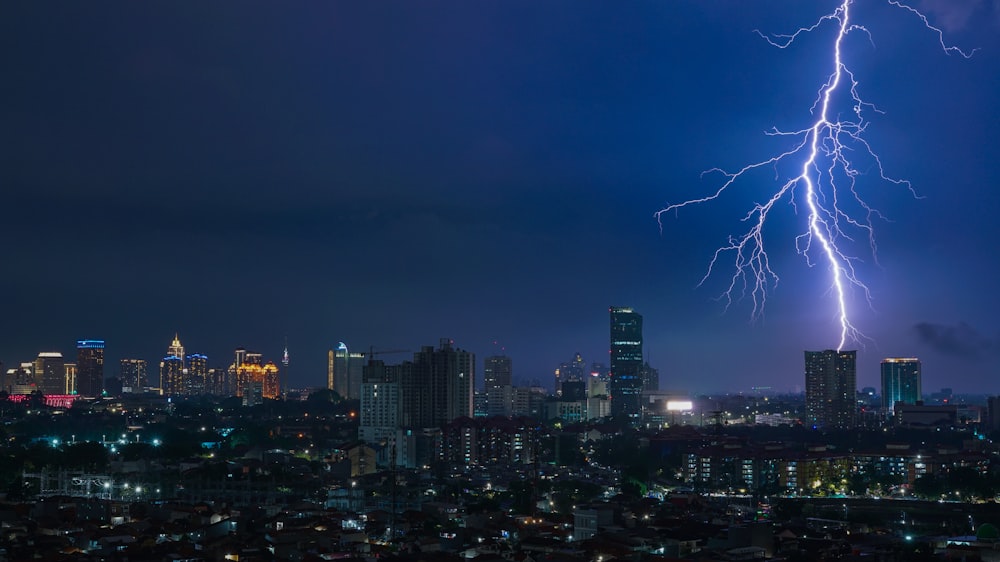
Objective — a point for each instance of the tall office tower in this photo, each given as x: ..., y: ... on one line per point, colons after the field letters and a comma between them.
x: 380, y: 403
x: 497, y: 374
x: 133, y: 375
x: 437, y: 387
x: 900, y: 382
x: 175, y: 348
x: 330, y: 383
x: 650, y: 377
x: 626, y: 362
x: 345, y: 371
x: 196, y: 374
x: 172, y: 369
x: 50, y: 372
x: 70, y: 378
x: 831, y: 388
x: 90, y: 368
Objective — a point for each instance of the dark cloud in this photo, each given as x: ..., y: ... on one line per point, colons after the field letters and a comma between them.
x: 959, y: 340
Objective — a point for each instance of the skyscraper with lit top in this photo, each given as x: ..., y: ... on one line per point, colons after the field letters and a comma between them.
x: 900, y: 382
x: 626, y: 362
x: 90, y: 368
x: 50, y: 372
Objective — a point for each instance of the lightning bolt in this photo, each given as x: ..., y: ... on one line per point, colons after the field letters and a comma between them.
x: 826, y: 180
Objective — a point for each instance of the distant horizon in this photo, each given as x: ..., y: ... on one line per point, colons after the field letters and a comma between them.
x: 393, y: 357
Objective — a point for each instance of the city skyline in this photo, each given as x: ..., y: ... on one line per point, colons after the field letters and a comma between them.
x: 390, y: 175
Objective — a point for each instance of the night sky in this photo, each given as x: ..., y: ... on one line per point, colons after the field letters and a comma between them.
x: 390, y: 173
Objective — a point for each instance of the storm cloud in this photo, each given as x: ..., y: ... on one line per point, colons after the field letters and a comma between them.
x: 958, y: 340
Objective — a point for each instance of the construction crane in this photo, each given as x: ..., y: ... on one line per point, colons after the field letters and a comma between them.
x: 372, y: 352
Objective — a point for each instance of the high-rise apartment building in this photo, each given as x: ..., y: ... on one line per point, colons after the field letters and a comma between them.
x: 497, y: 376
x: 831, y: 388
x: 172, y: 375
x: 626, y: 362
x: 437, y: 386
x: 380, y: 403
x: 50, y: 372
x: 900, y: 382
x: 195, y: 374
x: 249, y: 377
x: 180, y: 374
x: 90, y: 368
x: 133, y: 375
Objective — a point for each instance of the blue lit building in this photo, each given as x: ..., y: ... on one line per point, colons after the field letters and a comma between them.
x: 626, y: 362
x: 900, y: 382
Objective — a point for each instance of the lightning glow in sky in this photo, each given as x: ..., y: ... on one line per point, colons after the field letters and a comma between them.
x: 832, y: 151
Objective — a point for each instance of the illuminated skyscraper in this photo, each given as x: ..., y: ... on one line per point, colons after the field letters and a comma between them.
x: 626, y: 362
x: 900, y: 382
x: 250, y: 378
x: 172, y: 375
x: 175, y: 348
x: 831, y: 388
x: 50, y: 372
x: 172, y: 370
x: 345, y: 371
x: 133, y: 375
x: 90, y: 368
x: 70, y: 378
x: 195, y: 374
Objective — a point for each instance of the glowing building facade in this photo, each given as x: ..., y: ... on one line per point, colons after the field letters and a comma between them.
x: 900, y: 382
x: 345, y: 371
x: 253, y: 379
x: 626, y: 362
x: 172, y: 375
